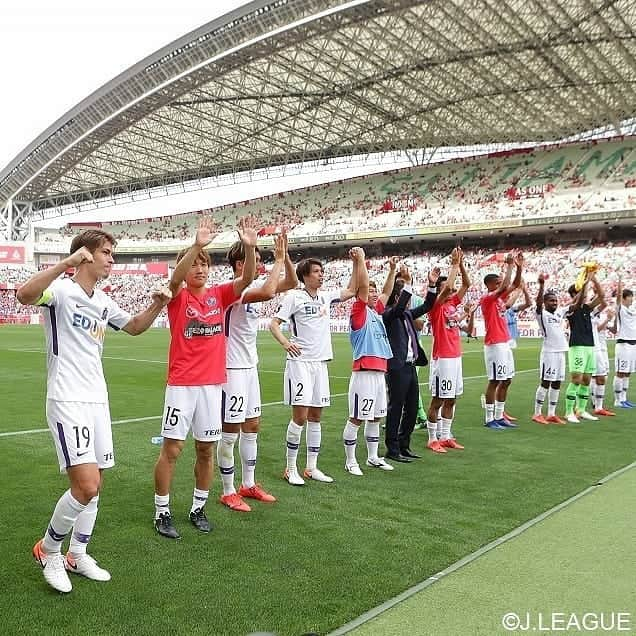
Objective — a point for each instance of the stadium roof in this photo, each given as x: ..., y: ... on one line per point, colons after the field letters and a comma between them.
x: 284, y: 81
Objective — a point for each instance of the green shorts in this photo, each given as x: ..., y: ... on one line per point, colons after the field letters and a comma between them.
x: 582, y: 359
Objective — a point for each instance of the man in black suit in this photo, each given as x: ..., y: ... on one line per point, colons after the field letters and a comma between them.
x: 402, y: 381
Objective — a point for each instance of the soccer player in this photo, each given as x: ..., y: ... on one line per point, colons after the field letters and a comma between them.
x: 76, y: 315
x: 371, y: 350
x: 241, y: 393
x: 625, y: 351
x: 196, y: 371
x: 446, y: 379
x: 581, y: 355
x: 599, y: 379
x: 552, y: 360
x: 306, y: 379
x: 500, y: 364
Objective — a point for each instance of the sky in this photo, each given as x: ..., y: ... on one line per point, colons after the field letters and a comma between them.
x: 57, y: 52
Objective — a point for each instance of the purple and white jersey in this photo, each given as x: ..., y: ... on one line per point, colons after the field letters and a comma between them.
x: 241, y: 329
x: 75, y: 324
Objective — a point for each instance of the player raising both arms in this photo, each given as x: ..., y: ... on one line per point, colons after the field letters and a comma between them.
x: 552, y: 360
x: 500, y: 365
x: 196, y: 371
x: 446, y: 379
x: 625, y: 353
x: 241, y: 392
x: 371, y: 350
x: 76, y: 316
x: 306, y: 379
x: 581, y: 355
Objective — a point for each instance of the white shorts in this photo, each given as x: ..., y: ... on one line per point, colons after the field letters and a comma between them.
x: 552, y: 366
x: 625, y: 358
x: 602, y: 363
x: 367, y: 395
x: 82, y: 433
x: 500, y: 365
x: 445, y: 379
x: 241, y: 396
x: 306, y: 383
x: 192, y: 407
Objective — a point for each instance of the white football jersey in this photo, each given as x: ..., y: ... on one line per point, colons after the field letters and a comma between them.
x: 309, y: 322
x: 75, y: 324
x: 626, y: 322
x: 241, y: 329
x: 600, y: 337
x: 551, y: 328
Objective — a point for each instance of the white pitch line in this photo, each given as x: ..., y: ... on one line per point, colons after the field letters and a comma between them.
x: 157, y: 417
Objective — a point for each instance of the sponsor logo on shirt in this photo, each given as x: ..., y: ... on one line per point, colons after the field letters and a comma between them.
x: 195, y: 329
x: 90, y: 326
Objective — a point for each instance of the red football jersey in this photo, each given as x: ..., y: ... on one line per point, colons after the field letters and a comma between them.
x: 197, y: 339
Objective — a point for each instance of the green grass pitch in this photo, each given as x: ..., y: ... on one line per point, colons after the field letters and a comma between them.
x: 321, y: 555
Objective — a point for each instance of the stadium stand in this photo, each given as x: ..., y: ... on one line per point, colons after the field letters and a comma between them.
x: 596, y: 176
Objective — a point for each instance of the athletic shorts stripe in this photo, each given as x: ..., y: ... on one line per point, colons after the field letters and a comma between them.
x: 60, y: 434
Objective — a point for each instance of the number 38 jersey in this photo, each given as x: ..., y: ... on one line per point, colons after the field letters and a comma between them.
x: 308, y: 318
x: 75, y: 324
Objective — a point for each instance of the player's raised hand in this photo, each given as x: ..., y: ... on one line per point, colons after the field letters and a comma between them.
x: 518, y: 259
x: 293, y: 349
x: 405, y: 275
x: 433, y: 275
x: 542, y: 278
x: 393, y: 262
x: 356, y: 253
x: 455, y: 256
x: 247, y: 231
x: 162, y: 295
x: 280, y: 248
x: 205, y: 231
x: 510, y: 258
x: 82, y: 255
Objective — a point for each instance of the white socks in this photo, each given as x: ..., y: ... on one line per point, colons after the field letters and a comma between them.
x: 225, y: 460
x: 372, y: 437
x: 553, y: 400
x: 350, y: 439
x: 199, y: 499
x: 539, y: 399
x: 499, y: 410
x: 248, y: 450
x: 293, y: 442
x: 313, y: 438
x: 83, y: 528
x: 66, y: 512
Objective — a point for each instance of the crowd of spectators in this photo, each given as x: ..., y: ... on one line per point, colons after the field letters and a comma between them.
x: 569, y: 179
x: 560, y: 263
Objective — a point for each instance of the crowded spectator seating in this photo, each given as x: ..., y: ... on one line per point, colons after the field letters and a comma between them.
x: 560, y: 263
x: 595, y: 176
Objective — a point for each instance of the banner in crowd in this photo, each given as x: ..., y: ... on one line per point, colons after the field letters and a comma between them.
x: 141, y: 269
x: 12, y: 254
x: 580, y: 218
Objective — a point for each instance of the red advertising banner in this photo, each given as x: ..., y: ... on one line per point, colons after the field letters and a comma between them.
x: 141, y: 269
x: 12, y: 254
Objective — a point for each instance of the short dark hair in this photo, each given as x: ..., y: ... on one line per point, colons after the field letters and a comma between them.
x: 203, y: 255
x: 304, y: 267
x: 440, y: 281
x: 237, y: 253
x: 488, y: 278
x: 373, y: 284
x: 91, y: 239
x: 627, y: 292
x: 572, y: 290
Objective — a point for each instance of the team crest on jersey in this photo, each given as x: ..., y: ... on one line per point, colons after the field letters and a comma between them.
x: 210, y: 302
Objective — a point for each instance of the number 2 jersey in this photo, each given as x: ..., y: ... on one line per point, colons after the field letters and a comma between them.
x: 309, y: 319
x: 75, y: 324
